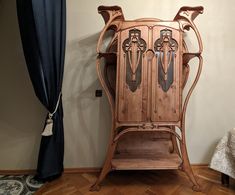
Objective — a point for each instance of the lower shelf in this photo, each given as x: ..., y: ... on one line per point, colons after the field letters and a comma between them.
x: 128, y: 161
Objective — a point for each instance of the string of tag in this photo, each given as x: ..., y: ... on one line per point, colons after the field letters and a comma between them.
x: 49, y: 122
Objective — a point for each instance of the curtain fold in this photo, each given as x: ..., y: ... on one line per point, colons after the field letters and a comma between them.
x: 43, y: 33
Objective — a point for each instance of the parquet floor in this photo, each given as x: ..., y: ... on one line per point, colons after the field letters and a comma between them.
x: 139, y: 183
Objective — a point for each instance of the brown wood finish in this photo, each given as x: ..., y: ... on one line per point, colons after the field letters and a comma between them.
x: 146, y: 69
x: 167, y: 105
x: 171, y: 182
x: 66, y: 171
x: 69, y: 170
x: 18, y: 172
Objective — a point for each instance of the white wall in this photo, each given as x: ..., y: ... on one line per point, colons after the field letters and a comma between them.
x: 211, y: 110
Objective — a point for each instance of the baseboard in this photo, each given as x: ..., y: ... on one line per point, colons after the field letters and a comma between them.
x: 18, y: 172
x: 200, y: 165
x: 73, y: 170
x: 82, y: 170
x: 66, y: 171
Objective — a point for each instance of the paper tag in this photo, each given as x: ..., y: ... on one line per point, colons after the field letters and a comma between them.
x: 48, y: 128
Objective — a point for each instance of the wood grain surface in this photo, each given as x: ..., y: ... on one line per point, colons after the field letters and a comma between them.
x: 170, y: 182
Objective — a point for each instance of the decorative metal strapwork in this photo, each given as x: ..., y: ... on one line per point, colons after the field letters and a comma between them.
x: 165, y: 48
x: 134, y: 47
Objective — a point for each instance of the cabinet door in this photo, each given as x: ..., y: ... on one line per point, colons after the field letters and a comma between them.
x: 131, y: 96
x: 166, y: 73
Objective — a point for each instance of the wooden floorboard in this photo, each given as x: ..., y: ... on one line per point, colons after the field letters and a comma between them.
x: 170, y: 182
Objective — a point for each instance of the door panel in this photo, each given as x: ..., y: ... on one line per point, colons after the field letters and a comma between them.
x: 132, y: 86
x: 166, y: 70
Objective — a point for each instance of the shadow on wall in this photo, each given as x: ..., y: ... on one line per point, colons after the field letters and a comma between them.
x: 21, y: 115
x: 87, y: 118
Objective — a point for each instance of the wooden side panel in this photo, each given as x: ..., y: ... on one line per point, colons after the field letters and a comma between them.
x: 166, y: 74
x: 131, y: 80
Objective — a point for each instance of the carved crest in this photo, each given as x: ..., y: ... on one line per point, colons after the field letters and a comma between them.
x: 165, y: 48
x: 134, y: 47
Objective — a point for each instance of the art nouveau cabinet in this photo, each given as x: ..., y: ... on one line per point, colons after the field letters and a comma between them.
x: 146, y: 66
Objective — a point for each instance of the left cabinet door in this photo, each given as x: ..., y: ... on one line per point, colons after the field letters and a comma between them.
x: 131, y: 104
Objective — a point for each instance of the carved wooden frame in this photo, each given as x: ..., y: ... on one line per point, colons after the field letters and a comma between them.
x: 114, y: 19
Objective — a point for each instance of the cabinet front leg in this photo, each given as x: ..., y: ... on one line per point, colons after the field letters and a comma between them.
x: 186, y: 164
x: 175, y: 147
x: 106, y: 168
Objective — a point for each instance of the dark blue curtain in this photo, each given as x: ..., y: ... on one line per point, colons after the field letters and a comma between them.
x: 43, y: 32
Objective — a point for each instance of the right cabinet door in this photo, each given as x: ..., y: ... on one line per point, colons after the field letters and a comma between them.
x: 166, y: 75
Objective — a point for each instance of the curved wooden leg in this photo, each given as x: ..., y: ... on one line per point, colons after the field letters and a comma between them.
x: 106, y: 168
x: 187, y: 167
x: 175, y: 147
x: 112, y: 145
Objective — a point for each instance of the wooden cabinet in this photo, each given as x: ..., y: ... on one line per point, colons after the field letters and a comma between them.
x: 149, y: 72
x: 146, y: 66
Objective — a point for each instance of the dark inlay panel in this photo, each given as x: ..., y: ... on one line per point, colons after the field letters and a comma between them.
x: 134, y: 47
x: 165, y: 48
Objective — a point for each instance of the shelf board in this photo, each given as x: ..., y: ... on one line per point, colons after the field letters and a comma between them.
x: 148, y: 161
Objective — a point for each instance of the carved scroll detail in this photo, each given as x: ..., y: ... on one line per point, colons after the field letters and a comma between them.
x: 165, y: 48
x: 134, y: 47
x: 185, y: 17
